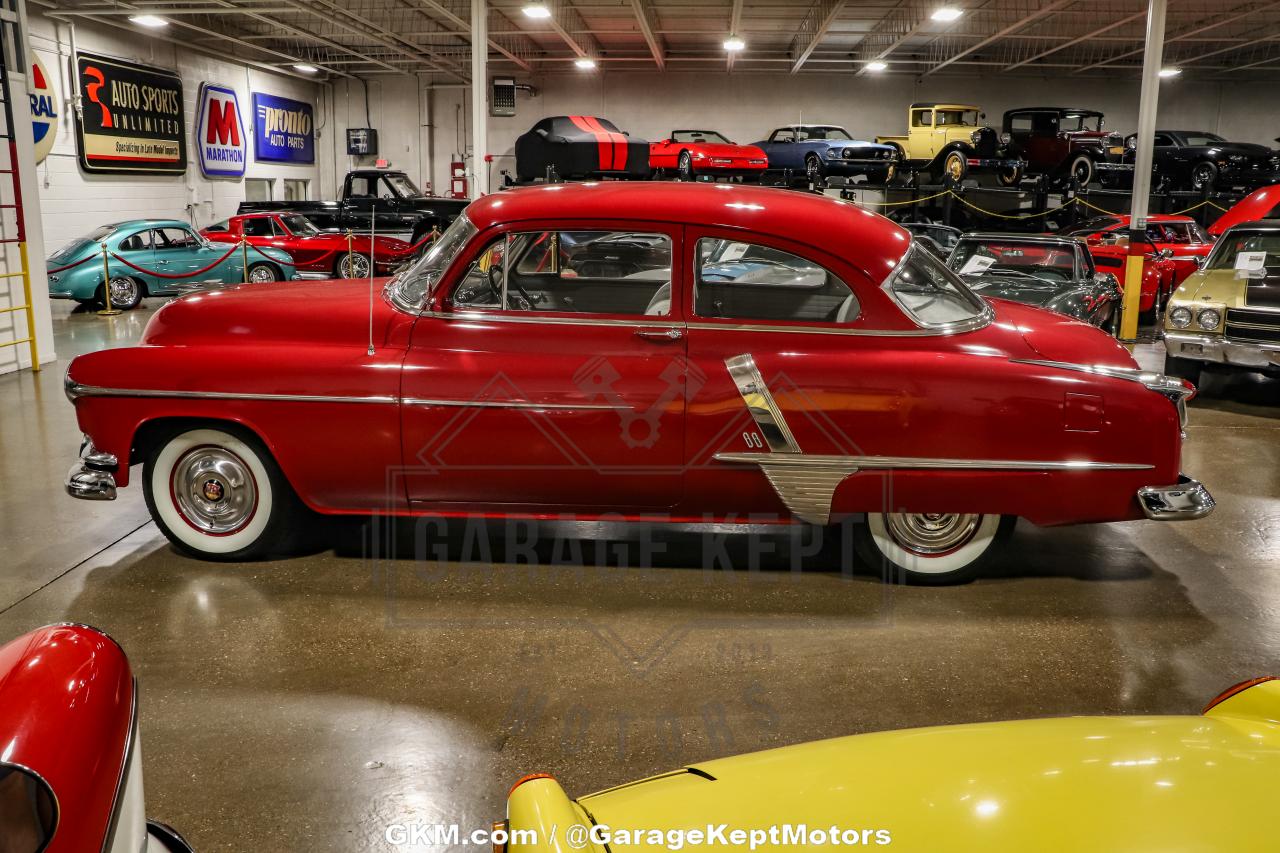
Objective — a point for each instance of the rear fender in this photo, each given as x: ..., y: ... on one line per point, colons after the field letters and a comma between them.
x: 541, y: 818
x: 1255, y: 699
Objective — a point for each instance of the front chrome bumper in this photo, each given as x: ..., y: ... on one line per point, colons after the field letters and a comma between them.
x: 1219, y: 350
x: 1185, y: 501
x: 92, y: 478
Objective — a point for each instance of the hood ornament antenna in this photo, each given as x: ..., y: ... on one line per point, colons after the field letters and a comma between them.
x: 373, y: 252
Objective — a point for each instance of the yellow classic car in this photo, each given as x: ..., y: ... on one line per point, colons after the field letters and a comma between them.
x: 1078, y: 783
x: 946, y: 140
x: 1227, y: 313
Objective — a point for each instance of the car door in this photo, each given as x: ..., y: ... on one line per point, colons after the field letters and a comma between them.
x: 551, y: 373
x: 136, y: 249
x: 179, y: 252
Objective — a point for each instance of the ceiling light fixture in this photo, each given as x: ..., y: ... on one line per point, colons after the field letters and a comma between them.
x: 585, y: 63
x: 305, y: 68
x: 153, y: 21
x: 1170, y: 72
x: 537, y: 10
x: 946, y: 14
x: 733, y: 44
x: 876, y: 65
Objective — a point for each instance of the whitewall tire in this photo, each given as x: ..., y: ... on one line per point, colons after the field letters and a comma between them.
x: 930, y: 548
x: 218, y: 496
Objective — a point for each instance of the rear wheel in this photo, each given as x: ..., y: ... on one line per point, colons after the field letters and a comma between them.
x: 353, y: 265
x: 219, y: 496
x: 126, y: 293
x: 1204, y: 175
x: 1009, y: 176
x: 1184, y: 368
x: 930, y: 548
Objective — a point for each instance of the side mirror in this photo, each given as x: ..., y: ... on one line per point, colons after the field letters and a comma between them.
x: 1164, y: 254
x: 982, y: 116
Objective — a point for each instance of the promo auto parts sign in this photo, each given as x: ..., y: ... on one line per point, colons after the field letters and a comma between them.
x: 283, y: 130
x: 134, y: 119
x: 44, y: 109
x: 220, y: 137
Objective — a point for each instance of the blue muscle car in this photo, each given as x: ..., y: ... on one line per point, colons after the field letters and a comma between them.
x: 819, y: 151
x: 167, y: 246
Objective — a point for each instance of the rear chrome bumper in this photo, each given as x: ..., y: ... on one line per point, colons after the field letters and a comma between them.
x: 1185, y: 501
x: 92, y: 477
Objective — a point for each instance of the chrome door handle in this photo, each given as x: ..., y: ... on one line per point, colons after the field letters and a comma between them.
x: 660, y: 334
x: 161, y: 263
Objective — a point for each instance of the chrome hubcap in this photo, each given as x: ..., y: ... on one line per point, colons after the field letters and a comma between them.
x: 355, y: 266
x: 214, y: 490
x: 931, y: 533
x: 123, y: 291
x: 262, y: 273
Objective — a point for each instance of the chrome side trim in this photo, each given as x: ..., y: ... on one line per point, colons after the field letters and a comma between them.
x: 640, y: 322
x: 760, y: 403
x: 806, y: 484
x: 823, y: 330
x: 1175, y: 389
x: 512, y: 404
x: 1186, y: 500
x: 75, y: 391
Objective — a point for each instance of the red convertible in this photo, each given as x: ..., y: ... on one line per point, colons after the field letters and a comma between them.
x: 689, y: 353
x: 690, y: 154
x: 1179, y: 239
x: 317, y: 254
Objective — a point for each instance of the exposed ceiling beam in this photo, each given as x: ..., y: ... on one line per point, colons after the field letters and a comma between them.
x: 464, y: 27
x: 893, y: 29
x: 735, y: 21
x: 648, y: 26
x: 572, y: 29
x: 1035, y: 15
x: 1078, y: 40
x: 1203, y: 25
x: 814, y: 28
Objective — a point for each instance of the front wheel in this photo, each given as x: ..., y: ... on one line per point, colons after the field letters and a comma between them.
x: 1081, y: 170
x: 930, y: 548
x: 1204, y: 175
x: 813, y: 171
x: 219, y: 496
x: 1009, y: 176
x: 353, y: 265
x: 262, y: 273
x: 126, y: 293
x: 685, y: 166
x: 955, y: 166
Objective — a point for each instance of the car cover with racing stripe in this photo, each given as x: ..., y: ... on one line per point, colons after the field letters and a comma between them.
x: 580, y: 147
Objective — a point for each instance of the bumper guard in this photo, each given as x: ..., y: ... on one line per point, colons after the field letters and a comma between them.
x: 1185, y: 501
x: 92, y: 477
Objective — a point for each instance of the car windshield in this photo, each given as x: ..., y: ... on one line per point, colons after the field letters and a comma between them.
x: 930, y: 293
x: 1176, y: 233
x: 402, y: 186
x: 823, y: 133
x: 698, y: 136
x: 79, y: 244
x: 1073, y: 123
x: 1230, y: 246
x: 411, y: 288
x: 1089, y: 226
x: 1202, y: 139
x: 1031, y: 260
x: 944, y: 236
x: 300, y: 225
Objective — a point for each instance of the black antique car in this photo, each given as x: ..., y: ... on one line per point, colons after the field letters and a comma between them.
x: 1196, y: 159
x: 1065, y: 143
x: 1051, y: 272
x: 579, y: 147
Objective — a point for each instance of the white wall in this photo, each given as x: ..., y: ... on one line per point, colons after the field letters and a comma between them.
x: 75, y: 202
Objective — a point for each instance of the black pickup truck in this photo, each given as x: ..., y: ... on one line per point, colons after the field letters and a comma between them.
x: 401, y: 208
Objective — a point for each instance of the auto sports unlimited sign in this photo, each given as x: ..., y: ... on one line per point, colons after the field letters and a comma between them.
x: 221, y: 143
x: 283, y: 130
x: 134, y: 120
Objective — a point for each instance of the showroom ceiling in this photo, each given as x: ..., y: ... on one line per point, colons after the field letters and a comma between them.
x: 1093, y: 38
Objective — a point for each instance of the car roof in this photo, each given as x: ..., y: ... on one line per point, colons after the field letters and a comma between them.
x: 1059, y: 110
x: 152, y: 223
x: 866, y: 239
x: 1018, y: 237
x: 944, y: 105
x: 1255, y: 225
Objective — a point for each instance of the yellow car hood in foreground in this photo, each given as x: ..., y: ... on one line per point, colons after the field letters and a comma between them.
x: 1084, y: 783
x: 1214, y: 286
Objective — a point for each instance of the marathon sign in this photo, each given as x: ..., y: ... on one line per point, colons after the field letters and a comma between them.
x: 283, y: 130
x: 221, y: 141
x: 133, y: 119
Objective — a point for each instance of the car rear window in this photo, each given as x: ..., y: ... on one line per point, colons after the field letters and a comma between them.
x: 932, y: 295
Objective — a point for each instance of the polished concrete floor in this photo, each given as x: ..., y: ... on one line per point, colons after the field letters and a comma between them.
x: 305, y: 704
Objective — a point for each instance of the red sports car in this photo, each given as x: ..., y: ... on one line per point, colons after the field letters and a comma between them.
x: 690, y: 154
x: 689, y: 353
x: 318, y: 254
x: 1178, y: 238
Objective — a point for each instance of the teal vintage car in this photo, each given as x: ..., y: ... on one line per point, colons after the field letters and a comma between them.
x: 154, y: 257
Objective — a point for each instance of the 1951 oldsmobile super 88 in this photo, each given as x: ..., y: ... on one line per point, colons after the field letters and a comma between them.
x: 690, y: 353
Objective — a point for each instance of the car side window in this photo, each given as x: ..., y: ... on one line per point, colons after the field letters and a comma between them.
x: 1020, y: 123
x: 258, y: 226
x: 573, y: 272
x: 173, y: 239
x: 1163, y: 139
x: 747, y: 281
x: 921, y: 118
x: 361, y: 188
x: 136, y: 242
x: 786, y: 135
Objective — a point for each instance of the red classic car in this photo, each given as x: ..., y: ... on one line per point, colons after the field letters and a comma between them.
x: 690, y: 154
x: 1180, y: 239
x: 317, y: 254
x: 71, y: 770
x: 678, y: 352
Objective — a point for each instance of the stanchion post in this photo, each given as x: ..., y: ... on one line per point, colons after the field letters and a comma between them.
x: 346, y: 273
x: 109, y: 310
x: 244, y: 259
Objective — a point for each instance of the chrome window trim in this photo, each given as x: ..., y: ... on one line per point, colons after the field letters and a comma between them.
x: 984, y: 318
x: 826, y: 330
x: 760, y: 403
x: 512, y: 404
x: 75, y: 391
x: 641, y: 321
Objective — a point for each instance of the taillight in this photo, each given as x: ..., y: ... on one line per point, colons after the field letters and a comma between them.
x: 1233, y: 690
